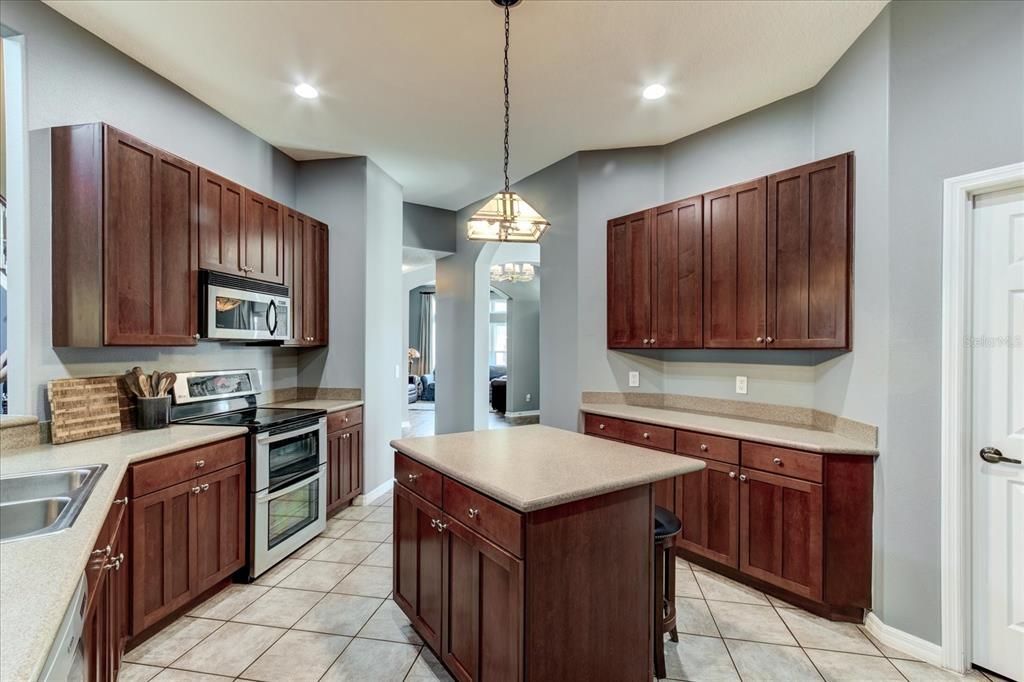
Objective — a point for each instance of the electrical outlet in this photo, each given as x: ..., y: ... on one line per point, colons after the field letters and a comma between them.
x: 634, y: 378
x: 529, y: 397
x: 741, y: 385
x: 398, y: 371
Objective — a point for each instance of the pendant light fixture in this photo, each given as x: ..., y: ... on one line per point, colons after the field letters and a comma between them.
x: 506, y: 217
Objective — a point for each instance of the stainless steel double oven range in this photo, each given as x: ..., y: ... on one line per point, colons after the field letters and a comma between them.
x: 287, y: 456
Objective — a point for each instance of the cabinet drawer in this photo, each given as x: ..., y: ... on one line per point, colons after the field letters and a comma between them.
x: 157, y: 474
x: 636, y: 433
x: 713, y: 447
x: 493, y: 520
x: 336, y: 421
x: 421, y: 479
x: 794, y: 463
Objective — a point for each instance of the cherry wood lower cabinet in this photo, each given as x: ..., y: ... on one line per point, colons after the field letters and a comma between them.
x: 503, y: 595
x: 344, y: 466
x: 105, y: 630
x: 188, y: 536
x: 793, y: 523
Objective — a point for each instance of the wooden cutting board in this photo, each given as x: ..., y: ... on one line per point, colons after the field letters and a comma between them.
x: 83, y: 408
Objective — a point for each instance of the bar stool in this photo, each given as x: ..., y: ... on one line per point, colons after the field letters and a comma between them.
x: 666, y: 527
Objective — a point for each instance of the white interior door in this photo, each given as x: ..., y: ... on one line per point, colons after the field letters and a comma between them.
x: 998, y: 433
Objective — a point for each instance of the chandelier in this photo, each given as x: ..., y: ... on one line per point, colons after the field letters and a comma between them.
x: 506, y: 217
x: 512, y: 272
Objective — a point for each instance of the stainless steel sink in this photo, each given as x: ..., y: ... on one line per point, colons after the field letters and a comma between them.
x: 44, y: 502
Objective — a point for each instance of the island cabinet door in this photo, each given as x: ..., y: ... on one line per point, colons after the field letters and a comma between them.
x: 481, y: 631
x: 781, y: 531
x: 708, y: 504
x: 417, y: 573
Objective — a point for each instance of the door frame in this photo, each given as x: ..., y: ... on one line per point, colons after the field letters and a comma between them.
x: 955, y: 443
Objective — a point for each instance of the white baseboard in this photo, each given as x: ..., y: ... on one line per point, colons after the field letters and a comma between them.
x: 378, y: 492
x: 903, y: 641
x: 528, y: 413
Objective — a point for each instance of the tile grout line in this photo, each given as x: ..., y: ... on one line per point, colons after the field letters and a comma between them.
x: 715, y: 621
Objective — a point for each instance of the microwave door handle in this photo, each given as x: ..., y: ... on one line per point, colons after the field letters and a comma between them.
x: 272, y: 317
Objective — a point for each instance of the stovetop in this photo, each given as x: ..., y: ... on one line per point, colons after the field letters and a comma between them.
x: 259, y: 418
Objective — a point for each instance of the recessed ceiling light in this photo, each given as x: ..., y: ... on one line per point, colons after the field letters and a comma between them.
x: 307, y: 91
x: 654, y: 91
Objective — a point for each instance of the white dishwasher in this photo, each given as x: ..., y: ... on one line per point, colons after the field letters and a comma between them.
x: 66, y: 660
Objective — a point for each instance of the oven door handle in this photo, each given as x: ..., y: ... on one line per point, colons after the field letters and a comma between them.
x: 270, y: 497
x: 313, y: 428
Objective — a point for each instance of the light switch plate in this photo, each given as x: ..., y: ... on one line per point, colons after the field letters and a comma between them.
x: 741, y: 385
x: 634, y: 378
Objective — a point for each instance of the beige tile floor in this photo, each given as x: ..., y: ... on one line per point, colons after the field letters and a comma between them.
x: 326, y: 614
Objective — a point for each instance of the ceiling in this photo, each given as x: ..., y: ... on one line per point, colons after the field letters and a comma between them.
x: 416, y: 85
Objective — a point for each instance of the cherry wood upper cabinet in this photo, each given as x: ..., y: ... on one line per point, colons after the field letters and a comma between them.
x: 294, y: 234
x: 735, y: 277
x: 629, y: 281
x: 263, y: 251
x: 220, y: 224
x: 676, y: 275
x: 315, y: 284
x: 125, y: 218
x: 809, y: 255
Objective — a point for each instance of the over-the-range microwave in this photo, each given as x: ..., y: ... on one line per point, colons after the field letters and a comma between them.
x: 239, y: 309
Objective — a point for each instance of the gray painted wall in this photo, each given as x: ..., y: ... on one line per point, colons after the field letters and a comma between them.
x: 427, y: 227
x: 335, y: 191
x: 523, y: 320
x: 74, y: 77
x: 891, y: 98
x: 956, y: 106
x: 384, y: 387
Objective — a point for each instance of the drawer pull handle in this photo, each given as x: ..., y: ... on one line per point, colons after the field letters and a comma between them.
x: 196, y: 490
x: 777, y: 460
x: 413, y: 477
x: 732, y: 474
x: 703, y: 447
x: 200, y: 463
x: 121, y: 500
x: 601, y: 426
x: 743, y: 478
x: 102, y: 552
x: 473, y: 513
x: 204, y: 487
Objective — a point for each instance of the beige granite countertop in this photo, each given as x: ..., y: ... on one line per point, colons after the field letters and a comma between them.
x: 734, y: 427
x: 329, y: 405
x: 38, y: 576
x: 535, y: 467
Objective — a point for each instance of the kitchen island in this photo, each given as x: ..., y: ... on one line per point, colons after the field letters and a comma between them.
x: 527, y: 553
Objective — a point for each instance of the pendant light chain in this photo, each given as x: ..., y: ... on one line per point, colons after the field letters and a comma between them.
x: 507, y: 35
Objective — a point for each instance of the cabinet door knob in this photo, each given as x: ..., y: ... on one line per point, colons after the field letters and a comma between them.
x: 601, y: 427
x: 102, y: 552
x: 121, y: 500
x: 743, y: 477
x: 703, y: 447
x: 196, y: 490
x: 433, y: 523
x: 732, y: 474
x: 200, y: 463
x: 195, y: 336
x: 759, y: 339
x: 413, y: 477
x: 769, y: 339
x: 204, y: 487
x: 777, y: 460
x: 473, y: 513
x: 441, y: 526
x: 646, y: 341
x: 653, y: 342
x: 647, y: 436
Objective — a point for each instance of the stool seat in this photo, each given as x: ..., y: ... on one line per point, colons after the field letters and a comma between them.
x: 666, y: 524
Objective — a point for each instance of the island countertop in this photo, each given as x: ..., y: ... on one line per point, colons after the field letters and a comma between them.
x: 535, y: 467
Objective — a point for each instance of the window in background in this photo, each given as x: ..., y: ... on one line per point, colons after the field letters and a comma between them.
x: 498, y: 337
